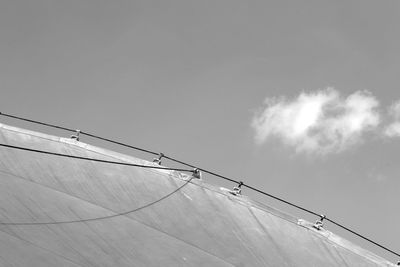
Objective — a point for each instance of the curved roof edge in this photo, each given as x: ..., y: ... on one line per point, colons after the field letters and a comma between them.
x: 242, y: 200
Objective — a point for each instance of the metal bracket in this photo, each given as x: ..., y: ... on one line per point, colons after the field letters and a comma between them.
x: 237, y: 190
x: 76, y: 136
x: 197, y: 173
x: 319, y: 223
x: 158, y: 160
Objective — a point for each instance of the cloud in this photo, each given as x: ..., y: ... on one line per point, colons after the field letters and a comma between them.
x: 318, y: 122
x: 393, y: 129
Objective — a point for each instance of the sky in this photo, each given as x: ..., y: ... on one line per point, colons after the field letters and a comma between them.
x: 297, y: 98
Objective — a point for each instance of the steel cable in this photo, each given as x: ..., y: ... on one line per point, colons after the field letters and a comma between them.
x: 37, y: 122
x: 361, y: 236
x: 96, y: 160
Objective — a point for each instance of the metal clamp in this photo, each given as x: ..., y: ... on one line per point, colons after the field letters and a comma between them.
x: 197, y: 173
x: 319, y: 223
x: 158, y: 160
x: 76, y: 136
x: 237, y: 190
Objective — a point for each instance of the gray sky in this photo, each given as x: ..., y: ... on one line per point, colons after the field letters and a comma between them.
x: 188, y: 78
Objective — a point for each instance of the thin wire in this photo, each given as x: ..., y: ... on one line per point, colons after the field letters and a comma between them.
x: 201, y: 169
x: 119, y: 143
x: 37, y: 122
x: 205, y: 171
x: 93, y: 159
x: 82, y: 132
x: 245, y: 185
x: 361, y: 236
x: 99, y: 218
x: 282, y: 200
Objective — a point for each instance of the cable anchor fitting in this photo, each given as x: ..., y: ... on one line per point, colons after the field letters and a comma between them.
x: 76, y: 135
x: 237, y: 190
x: 319, y: 223
x: 158, y: 160
x: 197, y: 173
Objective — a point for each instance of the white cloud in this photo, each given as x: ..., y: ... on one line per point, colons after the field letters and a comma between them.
x: 318, y: 122
x: 393, y: 129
